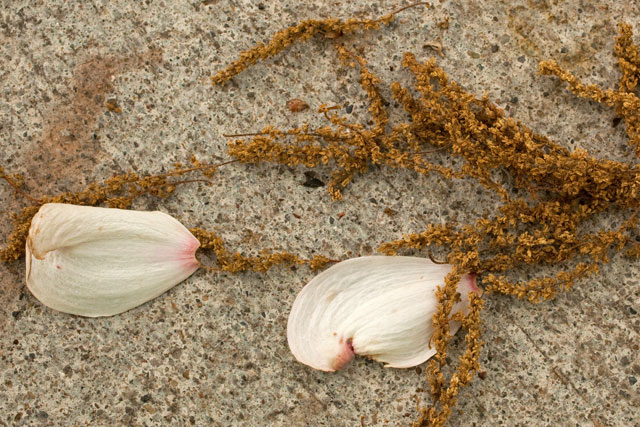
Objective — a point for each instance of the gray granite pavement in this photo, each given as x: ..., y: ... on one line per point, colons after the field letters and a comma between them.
x: 212, y: 351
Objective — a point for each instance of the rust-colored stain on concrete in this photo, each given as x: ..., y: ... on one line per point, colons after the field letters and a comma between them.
x: 67, y: 150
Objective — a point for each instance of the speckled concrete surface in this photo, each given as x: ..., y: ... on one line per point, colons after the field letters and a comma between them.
x: 212, y: 351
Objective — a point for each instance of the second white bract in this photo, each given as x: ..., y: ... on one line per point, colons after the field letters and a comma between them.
x: 100, y: 262
x: 375, y: 306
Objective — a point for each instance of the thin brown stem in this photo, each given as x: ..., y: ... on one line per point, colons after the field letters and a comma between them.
x: 423, y: 3
x: 17, y: 189
x: 434, y: 260
x: 210, y: 268
x: 197, y: 168
x: 189, y: 181
x: 242, y: 135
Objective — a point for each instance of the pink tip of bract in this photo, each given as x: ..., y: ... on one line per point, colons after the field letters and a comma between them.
x: 187, y: 254
x: 344, y: 357
x: 470, y: 282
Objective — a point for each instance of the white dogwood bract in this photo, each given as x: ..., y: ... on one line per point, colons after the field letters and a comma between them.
x: 94, y: 261
x: 375, y: 306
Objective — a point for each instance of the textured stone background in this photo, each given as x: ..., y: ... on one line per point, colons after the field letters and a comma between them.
x: 212, y: 351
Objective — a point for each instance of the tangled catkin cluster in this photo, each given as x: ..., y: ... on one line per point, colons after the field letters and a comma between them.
x: 558, y: 189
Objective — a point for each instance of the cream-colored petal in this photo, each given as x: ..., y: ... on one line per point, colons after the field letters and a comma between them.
x: 99, y: 261
x: 380, y: 307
